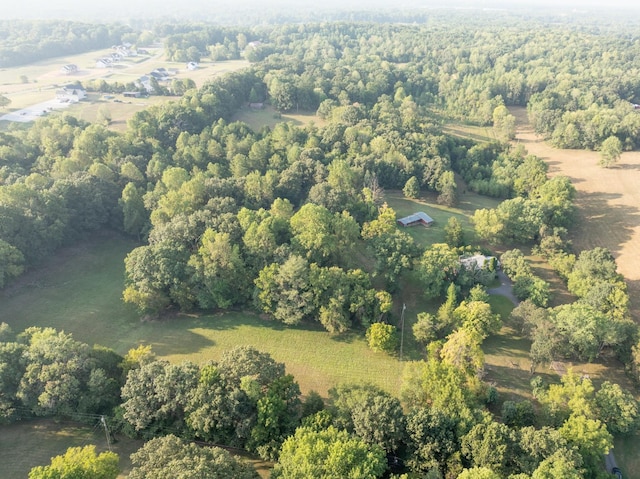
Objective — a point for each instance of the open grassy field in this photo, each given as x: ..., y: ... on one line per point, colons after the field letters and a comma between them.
x: 469, y: 202
x: 44, y: 77
x: 79, y: 291
x: 269, y: 116
x: 608, y: 201
x: 32, y: 443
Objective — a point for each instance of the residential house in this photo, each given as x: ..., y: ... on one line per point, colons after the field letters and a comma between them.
x: 70, y: 93
x: 103, y: 63
x: 69, y: 69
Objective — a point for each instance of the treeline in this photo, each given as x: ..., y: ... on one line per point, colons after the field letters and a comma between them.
x: 24, y: 42
x: 439, y: 428
x: 466, y: 73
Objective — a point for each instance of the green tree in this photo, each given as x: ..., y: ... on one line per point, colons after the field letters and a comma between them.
x: 433, y: 440
x: 155, y: 396
x: 426, y: 328
x: 278, y: 414
x: 448, y: 189
x: 370, y: 413
x: 382, y: 337
x: 4, y: 101
x: 610, y: 151
x: 323, y: 236
x: 478, y: 473
x: 560, y: 464
x: 453, y: 233
x: 504, y: 123
x: 477, y: 317
x: 219, y: 411
x: 285, y: 290
x: 79, y: 463
x: 591, y: 438
x: 328, y: 454
x: 220, y: 271
x: 617, y: 408
x: 462, y: 350
x: 11, y: 263
x: 136, y: 217
x: 170, y: 456
x: 412, y: 188
x: 489, y: 445
x: 443, y: 387
x: 438, y: 267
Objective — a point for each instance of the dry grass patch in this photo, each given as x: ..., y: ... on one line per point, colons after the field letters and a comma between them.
x: 608, y: 201
x: 45, y: 77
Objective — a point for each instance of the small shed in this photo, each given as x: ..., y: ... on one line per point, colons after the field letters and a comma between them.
x: 419, y: 218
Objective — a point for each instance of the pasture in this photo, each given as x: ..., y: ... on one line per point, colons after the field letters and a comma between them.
x: 608, y: 201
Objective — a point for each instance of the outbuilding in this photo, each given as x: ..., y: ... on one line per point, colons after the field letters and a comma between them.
x: 419, y: 218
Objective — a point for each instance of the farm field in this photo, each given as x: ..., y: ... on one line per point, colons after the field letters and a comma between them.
x: 608, y: 201
x: 43, y: 78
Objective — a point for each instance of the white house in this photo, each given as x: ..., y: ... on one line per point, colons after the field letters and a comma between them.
x: 145, y: 82
x: 69, y: 69
x: 70, y: 93
x: 477, y: 261
x: 103, y: 63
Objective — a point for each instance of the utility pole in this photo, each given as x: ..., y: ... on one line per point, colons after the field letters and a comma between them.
x: 404, y: 306
x: 106, y: 431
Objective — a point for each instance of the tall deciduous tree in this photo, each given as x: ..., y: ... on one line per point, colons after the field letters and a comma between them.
x: 79, y: 463
x: 328, y: 454
x: 610, y: 151
x: 169, y: 456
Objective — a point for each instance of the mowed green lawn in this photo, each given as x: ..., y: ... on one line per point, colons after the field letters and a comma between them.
x: 32, y: 443
x: 79, y: 291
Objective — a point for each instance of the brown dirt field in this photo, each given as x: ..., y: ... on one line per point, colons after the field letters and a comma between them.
x: 608, y: 201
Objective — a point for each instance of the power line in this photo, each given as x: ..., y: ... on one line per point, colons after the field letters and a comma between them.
x: 106, y: 431
x: 404, y: 306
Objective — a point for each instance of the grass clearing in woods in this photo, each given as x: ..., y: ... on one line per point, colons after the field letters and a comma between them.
x: 33, y: 442
x: 80, y: 289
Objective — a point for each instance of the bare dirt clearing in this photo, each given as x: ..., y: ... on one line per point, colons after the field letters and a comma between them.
x: 608, y: 201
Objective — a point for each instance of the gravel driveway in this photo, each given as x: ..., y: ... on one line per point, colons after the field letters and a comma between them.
x: 505, y: 289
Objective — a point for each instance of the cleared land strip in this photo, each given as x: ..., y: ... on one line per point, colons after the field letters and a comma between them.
x: 608, y: 201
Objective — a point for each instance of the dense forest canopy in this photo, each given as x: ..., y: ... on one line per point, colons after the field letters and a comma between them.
x: 291, y: 221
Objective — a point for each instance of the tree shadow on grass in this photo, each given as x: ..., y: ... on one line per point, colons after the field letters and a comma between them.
x: 599, y: 221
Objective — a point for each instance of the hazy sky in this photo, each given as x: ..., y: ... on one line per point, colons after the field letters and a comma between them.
x: 110, y: 9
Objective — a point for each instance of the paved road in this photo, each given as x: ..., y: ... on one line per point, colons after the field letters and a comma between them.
x: 505, y: 288
x: 34, y: 112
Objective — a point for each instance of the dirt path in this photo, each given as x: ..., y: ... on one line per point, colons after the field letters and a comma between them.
x: 608, y: 201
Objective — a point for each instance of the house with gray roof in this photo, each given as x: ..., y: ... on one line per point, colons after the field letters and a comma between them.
x: 419, y: 218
